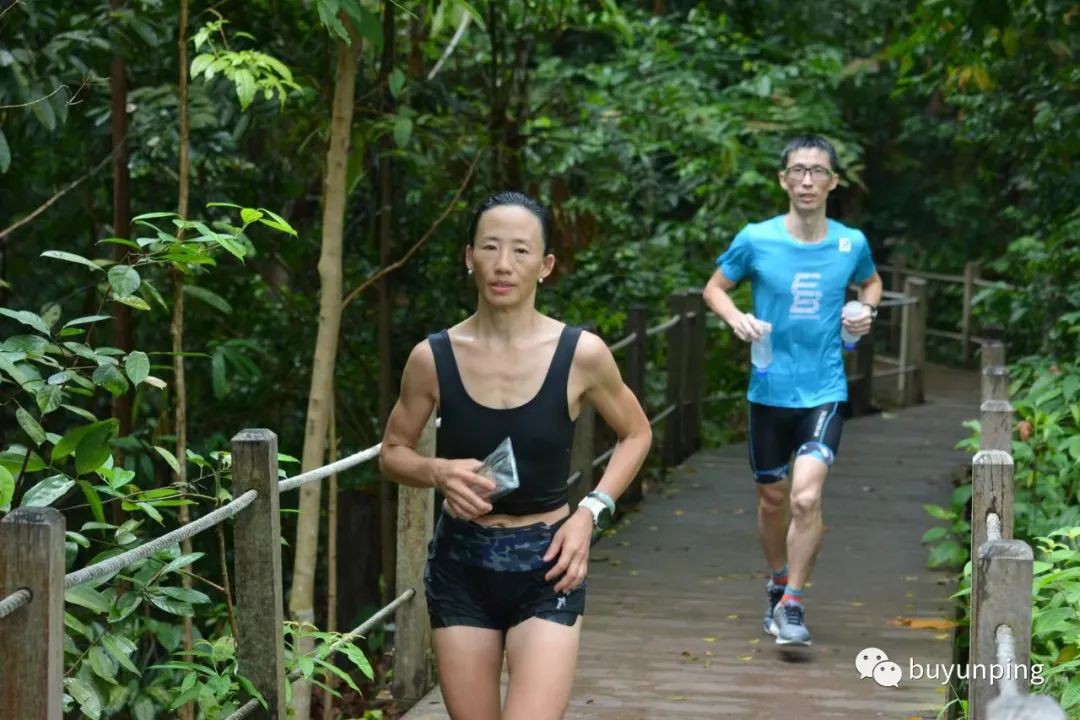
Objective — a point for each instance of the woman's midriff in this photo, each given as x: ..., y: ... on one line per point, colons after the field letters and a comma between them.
x: 550, y: 517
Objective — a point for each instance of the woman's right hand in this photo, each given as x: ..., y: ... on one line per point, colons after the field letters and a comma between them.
x: 748, y: 328
x: 464, y: 489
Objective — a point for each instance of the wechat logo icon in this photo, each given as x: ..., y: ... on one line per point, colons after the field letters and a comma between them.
x: 873, y: 662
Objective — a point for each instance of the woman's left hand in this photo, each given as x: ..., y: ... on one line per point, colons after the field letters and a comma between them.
x: 571, y: 546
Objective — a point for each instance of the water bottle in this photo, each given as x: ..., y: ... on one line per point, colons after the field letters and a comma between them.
x: 852, y: 310
x: 761, y: 352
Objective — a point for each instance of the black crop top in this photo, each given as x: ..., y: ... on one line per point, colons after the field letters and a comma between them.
x: 541, y: 430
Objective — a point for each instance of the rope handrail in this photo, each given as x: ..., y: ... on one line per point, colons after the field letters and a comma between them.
x: 121, y: 561
x: 629, y: 339
x: 670, y: 323
x: 1005, y: 644
x: 14, y: 601
x: 252, y: 705
x: 663, y: 414
x: 993, y: 526
x: 325, y: 471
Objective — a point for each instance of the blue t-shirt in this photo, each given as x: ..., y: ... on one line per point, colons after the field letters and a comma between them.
x: 799, y: 288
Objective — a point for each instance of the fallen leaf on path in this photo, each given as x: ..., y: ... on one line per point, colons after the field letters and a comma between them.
x: 746, y: 658
x: 679, y: 512
x: 755, y: 641
x: 709, y: 639
x: 856, y: 604
x: 733, y: 617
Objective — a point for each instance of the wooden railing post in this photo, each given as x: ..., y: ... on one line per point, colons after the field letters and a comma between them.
x: 582, y: 453
x: 971, y: 273
x: 861, y: 391
x: 412, y: 628
x: 636, y: 323
x: 992, y: 348
x: 913, y: 342
x: 896, y: 284
x: 32, y: 661
x: 676, y: 375
x: 995, y: 424
x: 260, y: 617
x: 694, y: 385
x: 1003, y: 597
x: 991, y: 492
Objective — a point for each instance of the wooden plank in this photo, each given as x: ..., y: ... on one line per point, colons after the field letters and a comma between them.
x: 260, y: 616
x: 634, y: 373
x: 32, y: 661
x: 1003, y: 596
x: 412, y: 635
x: 995, y: 383
x: 996, y: 418
x: 676, y: 375
x: 993, y: 351
x: 991, y: 492
x: 913, y: 342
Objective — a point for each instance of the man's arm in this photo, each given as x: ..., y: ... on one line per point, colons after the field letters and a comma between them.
x: 745, y: 325
x: 464, y: 489
x: 870, y: 291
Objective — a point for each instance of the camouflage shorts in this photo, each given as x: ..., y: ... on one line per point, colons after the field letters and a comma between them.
x: 504, y: 549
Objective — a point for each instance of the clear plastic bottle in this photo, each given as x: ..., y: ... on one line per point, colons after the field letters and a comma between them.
x: 761, y: 352
x: 852, y: 309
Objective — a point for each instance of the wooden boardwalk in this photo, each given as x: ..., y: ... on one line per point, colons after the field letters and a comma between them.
x: 673, y: 618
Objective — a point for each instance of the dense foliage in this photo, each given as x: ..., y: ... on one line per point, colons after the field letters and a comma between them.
x: 651, y: 128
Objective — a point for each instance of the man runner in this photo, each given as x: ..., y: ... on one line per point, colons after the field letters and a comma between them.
x: 799, y: 265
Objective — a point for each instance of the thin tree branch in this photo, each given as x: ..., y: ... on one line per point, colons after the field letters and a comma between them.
x: 9, y: 8
x: 48, y: 203
x: 460, y: 33
x: 34, y: 102
x: 419, y: 243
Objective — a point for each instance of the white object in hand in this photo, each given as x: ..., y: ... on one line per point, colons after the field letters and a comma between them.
x: 761, y: 351
x: 853, y: 310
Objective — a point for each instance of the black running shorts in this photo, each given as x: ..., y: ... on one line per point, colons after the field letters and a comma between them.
x: 777, y: 433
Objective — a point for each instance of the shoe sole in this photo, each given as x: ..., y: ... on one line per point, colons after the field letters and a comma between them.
x: 796, y: 643
x: 770, y: 628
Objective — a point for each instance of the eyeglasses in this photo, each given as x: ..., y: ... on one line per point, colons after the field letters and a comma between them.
x: 817, y: 173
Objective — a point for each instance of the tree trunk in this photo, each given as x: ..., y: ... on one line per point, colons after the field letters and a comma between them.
x: 122, y: 229
x: 329, y: 679
x: 301, y: 596
x: 417, y: 35
x: 177, y: 327
x: 387, y: 496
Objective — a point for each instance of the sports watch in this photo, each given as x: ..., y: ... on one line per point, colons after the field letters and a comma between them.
x: 601, y: 506
x: 873, y: 310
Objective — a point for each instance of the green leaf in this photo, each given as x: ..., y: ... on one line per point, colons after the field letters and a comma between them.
x: 94, y: 449
x: 210, y: 298
x: 84, y: 414
x: 181, y: 562
x: 123, y: 279
x: 27, y: 318
x: 250, y: 215
x: 200, y: 63
x: 153, y: 216
x: 357, y: 657
x: 169, y: 605
x: 145, y: 709
x: 75, y: 625
x: 169, y: 458
x: 939, y: 512
x: 29, y: 344
x: 5, y: 153
x: 151, y: 292
x: 72, y: 437
x: 137, y: 366
x: 933, y: 534
x: 230, y: 244
x: 14, y: 457
x: 103, y: 664
x: 87, y: 319
x: 71, y: 257
x: 47, y: 491
x: 43, y: 111
x: 245, y: 87
x: 402, y: 131
x: 30, y: 426
x: 84, y: 694
x: 110, y: 378
x: 217, y: 374
x: 133, y: 301
x: 121, y: 648
x: 7, y: 489
x: 396, y: 82
x: 48, y: 398
x: 85, y: 596
x: 93, y: 499
x: 306, y: 665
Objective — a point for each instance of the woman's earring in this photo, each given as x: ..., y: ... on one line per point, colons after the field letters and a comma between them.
x: 470, y: 271
x: 540, y: 280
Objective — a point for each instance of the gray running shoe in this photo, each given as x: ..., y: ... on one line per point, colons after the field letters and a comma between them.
x: 773, y: 592
x: 790, y: 624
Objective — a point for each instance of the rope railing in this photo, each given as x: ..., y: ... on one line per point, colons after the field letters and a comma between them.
x: 117, y: 563
x: 1006, y: 658
x: 628, y: 340
x: 993, y: 526
x: 326, y: 471
x: 663, y: 414
x: 252, y: 705
x: 666, y: 325
x: 14, y: 601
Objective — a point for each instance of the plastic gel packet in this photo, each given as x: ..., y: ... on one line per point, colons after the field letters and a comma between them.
x: 501, y: 468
